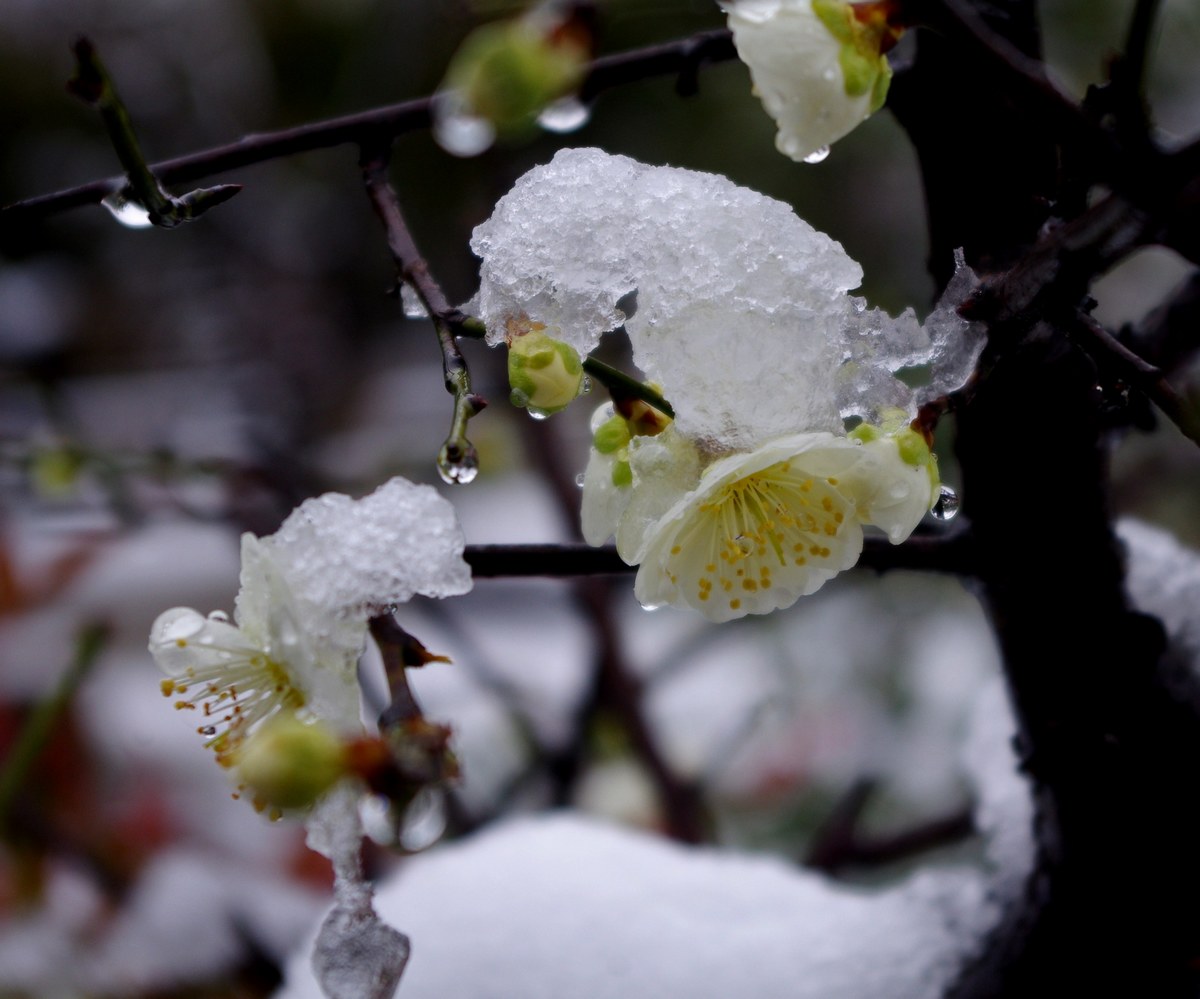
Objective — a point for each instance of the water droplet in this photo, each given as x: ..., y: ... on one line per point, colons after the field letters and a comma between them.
x: 946, y: 507
x: 580, y: 479
x: 564, y: 115
x: 130, y: 213
x: 219, y: 615
x: 208, y: 730
x: 817, y: 155
x: 378, y: 822
x: 411, y: 303
x: 537, y: 414
x: 457, y: 130
x: 456, y: 465
x: 585, y: 385
x: 602, y: 415
x: 829, y: 74
x: 424, y: 820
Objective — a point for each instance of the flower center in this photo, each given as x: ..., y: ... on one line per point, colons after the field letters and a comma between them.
x: 234, y: 687
x: 759, y: 531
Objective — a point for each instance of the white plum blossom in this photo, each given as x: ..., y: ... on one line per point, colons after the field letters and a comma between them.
x: 753, y: 494
x: 300, y: 620
x: 817, y: 66
x: 300, y: 624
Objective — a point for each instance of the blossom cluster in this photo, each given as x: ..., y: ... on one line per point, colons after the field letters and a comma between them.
x: 754, y: 494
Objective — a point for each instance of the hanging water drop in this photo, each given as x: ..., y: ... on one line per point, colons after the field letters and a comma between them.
x: 378, y: 822
x: 457, y: 130
x: 219, y: 615
x: 567, y: 114
x: 411, y: 303
x: 817, y: 155
x: 456, y: 465
x: 130, y: 213
x: 537, y: 414
x: 580, y: 479
x: 585, y: 385
x: 424, y: 820
x: 946, y: 507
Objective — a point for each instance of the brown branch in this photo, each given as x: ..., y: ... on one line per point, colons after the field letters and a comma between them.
x: 1110, y: 353
x: 839, y: 843
x: 458, y: 459
x: 683, y: 57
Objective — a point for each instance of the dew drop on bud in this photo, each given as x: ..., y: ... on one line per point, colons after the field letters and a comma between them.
x: 537, y: 414
x: 218, y: 615
x: 817, y: 155
x: 130, y: 213
x: 946, y: 507
x: 564, y: 115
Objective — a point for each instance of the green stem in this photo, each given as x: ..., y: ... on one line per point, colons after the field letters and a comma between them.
x: 40, y: 725
x: 622, y: 385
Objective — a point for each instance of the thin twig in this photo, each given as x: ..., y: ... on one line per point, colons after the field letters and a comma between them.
x: 1137, y: 43
x: 1144, y: 376
x: 458, y: 459
x: 92, y: 85
x: 682, y: 57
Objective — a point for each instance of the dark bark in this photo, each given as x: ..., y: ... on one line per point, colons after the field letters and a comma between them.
x: 1107, y: 727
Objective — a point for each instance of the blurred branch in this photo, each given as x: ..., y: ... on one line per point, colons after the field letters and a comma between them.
x: 684, y: 58
x: 39, y: 728
x: 839, y: 843
x: 458, y: 459
x: 92, y: 85
x: 1110, y: 353
x: 1170, y: 335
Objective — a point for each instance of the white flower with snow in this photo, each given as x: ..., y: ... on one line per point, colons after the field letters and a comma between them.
x: 754, y: 495
x: 817, y: 65
x: 300, y: 620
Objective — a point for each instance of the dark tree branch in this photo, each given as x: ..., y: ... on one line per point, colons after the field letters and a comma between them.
x: 840, y: 844
x: 1110, y: 353
x: 683, y: 58
x: 950, y: 551
x: 1170, y: 335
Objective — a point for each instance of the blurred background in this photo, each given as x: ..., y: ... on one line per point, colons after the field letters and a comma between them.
x: 162, y: 391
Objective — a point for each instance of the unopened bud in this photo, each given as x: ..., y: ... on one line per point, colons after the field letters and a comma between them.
x: 545, y: 374
x: 289, y: 763
x: 507, y: 72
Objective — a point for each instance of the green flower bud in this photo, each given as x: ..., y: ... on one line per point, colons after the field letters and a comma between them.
x: 545, y: 374
x: 509, y: 71
x: 866, y: 433
x: 913, y: 449
x: 612, y: 435
x: 622, y: 474
x: 288, y: 763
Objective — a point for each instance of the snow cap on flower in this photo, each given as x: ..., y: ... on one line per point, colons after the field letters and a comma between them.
x: 706, y: 277
x: 817, y: 66
x: 301, y: 614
